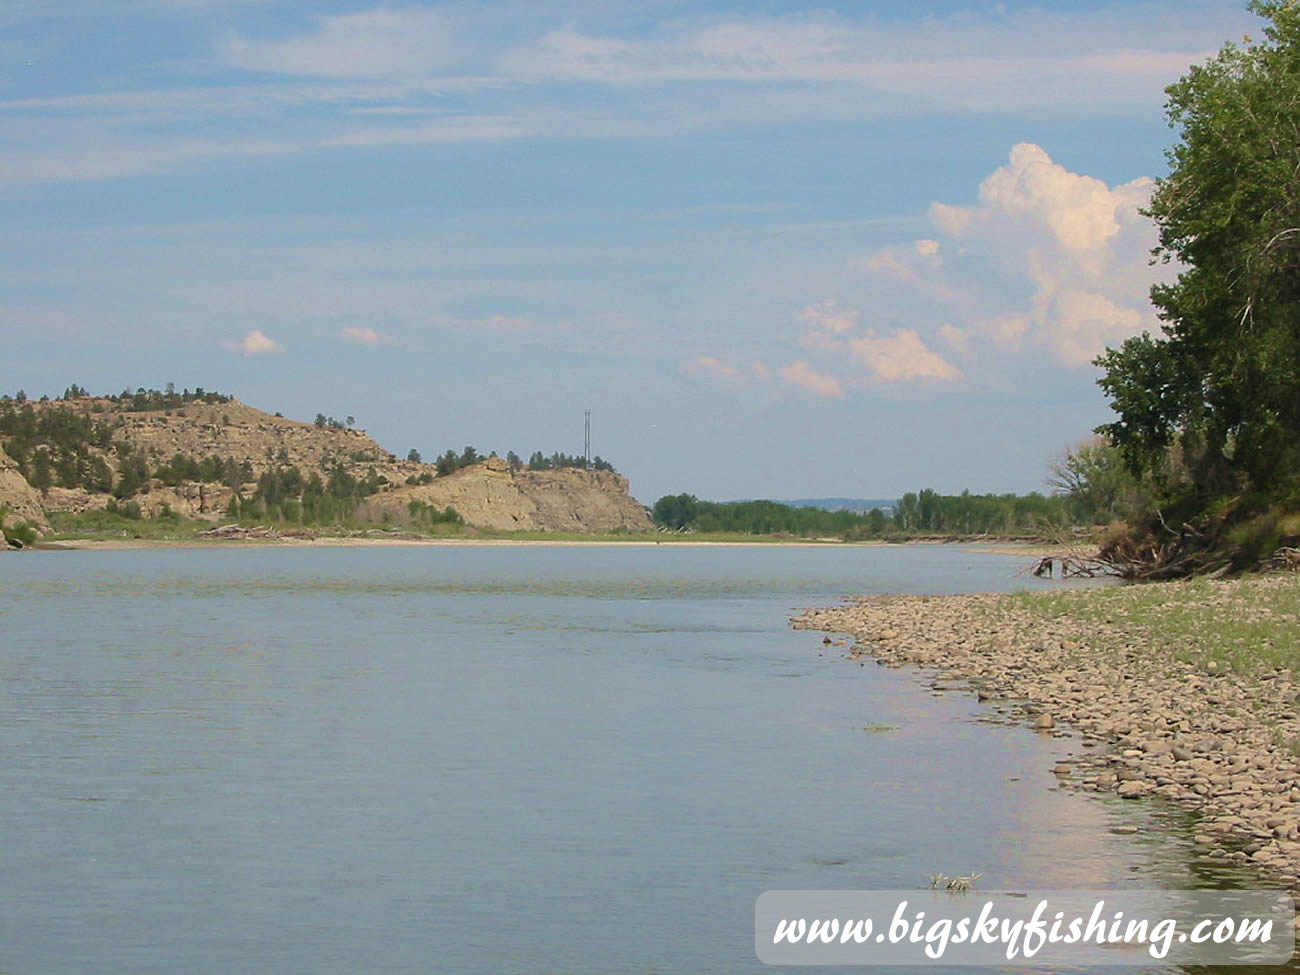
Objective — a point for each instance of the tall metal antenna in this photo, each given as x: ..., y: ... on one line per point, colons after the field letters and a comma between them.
x: 586, y: 439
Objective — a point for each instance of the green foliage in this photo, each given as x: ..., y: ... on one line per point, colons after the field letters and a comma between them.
x: 130, y: 510
x: 23, y: 532
x: 413, y: 456
x: 426, y: 513
x: 1098, y: 484
x: 134, y: 401
x: 1209, y: 408
x: 540, y: 462
x: 926, y: 512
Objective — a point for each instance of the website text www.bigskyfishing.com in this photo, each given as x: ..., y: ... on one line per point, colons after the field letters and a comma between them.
x: 1023, y: 928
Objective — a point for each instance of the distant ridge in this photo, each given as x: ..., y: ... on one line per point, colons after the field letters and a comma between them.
x: 860, y: 505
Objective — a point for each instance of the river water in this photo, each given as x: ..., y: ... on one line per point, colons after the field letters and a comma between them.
x: 585, y: 760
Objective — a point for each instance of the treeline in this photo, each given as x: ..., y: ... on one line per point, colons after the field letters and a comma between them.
x: 132, y: 401
x: 541, y: 462
x: 451, y: 461
x: 929, y: 512
x: 923, y: 512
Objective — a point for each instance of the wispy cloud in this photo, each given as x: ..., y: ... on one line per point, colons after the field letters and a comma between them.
x: 1027, y: 59
x: 379, y: 43
x: 367, y: 336
x: 799, y: 373
x: 412, y: 76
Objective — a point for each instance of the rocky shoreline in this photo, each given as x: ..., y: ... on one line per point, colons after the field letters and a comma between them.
x: 1150, y: 723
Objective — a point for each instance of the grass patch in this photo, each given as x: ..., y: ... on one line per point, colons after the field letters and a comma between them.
x: 1249, y: 624
x: 67, y: 526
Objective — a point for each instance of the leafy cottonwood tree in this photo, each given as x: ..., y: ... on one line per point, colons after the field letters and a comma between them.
x: 1223, y: 381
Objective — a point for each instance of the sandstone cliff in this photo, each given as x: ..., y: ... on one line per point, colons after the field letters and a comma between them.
x: 490, y: 495
x: 22, y: 500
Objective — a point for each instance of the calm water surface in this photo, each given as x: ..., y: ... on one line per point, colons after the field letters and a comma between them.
x: 489, y: 760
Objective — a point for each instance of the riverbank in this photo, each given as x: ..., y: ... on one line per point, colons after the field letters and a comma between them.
x: 343, y: 541
x: 380, y: 539
x: 1184, y: 691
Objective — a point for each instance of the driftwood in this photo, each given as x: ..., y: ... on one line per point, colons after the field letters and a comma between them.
x: 1285, y: 558
x: 238, y: 531
x: 1072, y: 566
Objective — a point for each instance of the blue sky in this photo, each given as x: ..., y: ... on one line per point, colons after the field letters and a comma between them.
x: 778, y: 249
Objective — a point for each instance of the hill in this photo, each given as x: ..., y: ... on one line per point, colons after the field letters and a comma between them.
x: 208, y: 456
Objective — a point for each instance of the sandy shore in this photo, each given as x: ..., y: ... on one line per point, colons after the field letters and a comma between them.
x: 1153, y: 718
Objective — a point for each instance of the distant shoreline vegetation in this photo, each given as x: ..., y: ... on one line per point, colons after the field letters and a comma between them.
x: 922, y: 513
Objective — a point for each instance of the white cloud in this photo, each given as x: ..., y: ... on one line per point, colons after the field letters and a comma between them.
x: 1079, y: 247
x: 416, y: 75
x: 1084, y: 323
x: 799, y: 373
x: 1027, y: 59
x: 902, y: 357
x: 367, y: 336
x: 256, y: 342
x: 713, y: 368
x: 829, y: 316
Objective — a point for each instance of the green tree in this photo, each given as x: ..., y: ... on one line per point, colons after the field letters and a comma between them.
x: 1219, y: 386
x: 676, y: 511
x: 1093, y: 476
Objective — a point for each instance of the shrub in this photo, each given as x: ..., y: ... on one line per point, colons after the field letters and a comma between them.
x: 24, y: 532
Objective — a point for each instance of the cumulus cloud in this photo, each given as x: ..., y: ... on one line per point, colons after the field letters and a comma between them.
x: 256, y: 342
x: 902, y: 357
x: 799, y: 373
x: 366, y: 336
x: 1076, y: 246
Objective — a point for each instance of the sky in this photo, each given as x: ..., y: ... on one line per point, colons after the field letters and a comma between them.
x: 778, y: 249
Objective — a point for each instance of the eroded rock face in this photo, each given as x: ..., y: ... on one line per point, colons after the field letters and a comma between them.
x: 23, y: 500
x: 490, y: 495
x: 487, y: 495
x: 244, y: 433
